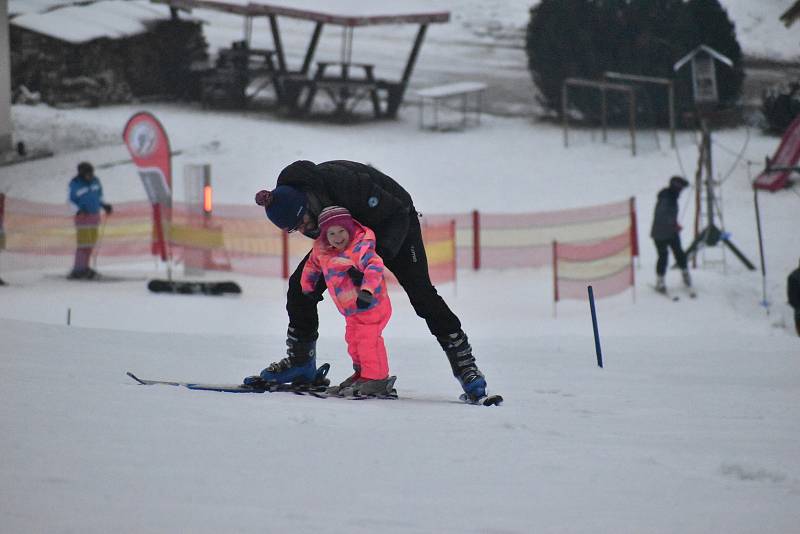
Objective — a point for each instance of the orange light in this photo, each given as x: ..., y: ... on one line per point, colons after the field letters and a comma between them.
x: 207, y: 199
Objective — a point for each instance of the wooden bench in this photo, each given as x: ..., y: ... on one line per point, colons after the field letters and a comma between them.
x: 345, y: 90
x: 460, y: 90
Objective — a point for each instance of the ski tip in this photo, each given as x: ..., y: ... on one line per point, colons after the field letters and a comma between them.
x: 134, y: 377
x: 493, y: 400
x: 489, y: 400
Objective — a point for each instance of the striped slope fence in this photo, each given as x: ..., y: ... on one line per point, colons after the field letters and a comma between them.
x: 517, y: 240
x: 234, y: 238
x: 606, y: 265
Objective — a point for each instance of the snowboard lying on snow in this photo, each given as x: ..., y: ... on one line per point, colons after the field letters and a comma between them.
x: 185, y: 287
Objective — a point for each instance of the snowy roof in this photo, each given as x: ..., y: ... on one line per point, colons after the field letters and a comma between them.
x: 82, y: 23
x: 702, y: 48
x: 20, y: 7
x: 342, y: 12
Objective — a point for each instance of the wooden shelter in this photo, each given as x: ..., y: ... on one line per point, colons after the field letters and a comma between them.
x: 345, y: 81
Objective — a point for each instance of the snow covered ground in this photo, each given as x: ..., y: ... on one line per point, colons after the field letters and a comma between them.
x: 691, y: 426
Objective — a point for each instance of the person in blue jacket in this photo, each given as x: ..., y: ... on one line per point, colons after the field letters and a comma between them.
x: 86, y: 193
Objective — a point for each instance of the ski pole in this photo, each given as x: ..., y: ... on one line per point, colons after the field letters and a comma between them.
x: 99, y: 240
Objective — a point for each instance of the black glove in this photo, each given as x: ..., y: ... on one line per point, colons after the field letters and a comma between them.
x: 364, y: 300
x: 355, y: 275
x: 108, y: 209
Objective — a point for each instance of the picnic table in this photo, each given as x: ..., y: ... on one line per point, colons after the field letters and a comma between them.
x: 345, y: 81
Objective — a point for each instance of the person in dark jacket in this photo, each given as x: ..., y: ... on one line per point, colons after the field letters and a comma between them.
x: 793, y: 292
x: 86, y: 193
x: 378, y: 202
x: 666, y: 232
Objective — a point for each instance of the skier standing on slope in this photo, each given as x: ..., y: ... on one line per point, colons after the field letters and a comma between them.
x: 303, y: 190
x: 666, y: 232
x: 86, y: 193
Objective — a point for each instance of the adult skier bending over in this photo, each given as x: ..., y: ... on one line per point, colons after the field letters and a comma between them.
x: 303, y: 190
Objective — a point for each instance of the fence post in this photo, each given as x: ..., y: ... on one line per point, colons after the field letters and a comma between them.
x: 476, y: 240
x: 2, y: 214
x: 455, y: 249
x: 285, y: 254
x: 634, y: 230
x: 555, y: 277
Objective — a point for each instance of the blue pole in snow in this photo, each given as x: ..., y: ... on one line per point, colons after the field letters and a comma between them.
x: 594, y: 326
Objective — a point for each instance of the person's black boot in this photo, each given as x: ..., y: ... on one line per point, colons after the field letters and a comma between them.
x: 462, y: 362
x: 299, y: 366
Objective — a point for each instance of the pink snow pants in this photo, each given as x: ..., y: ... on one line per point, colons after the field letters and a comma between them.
x: 363, y: 334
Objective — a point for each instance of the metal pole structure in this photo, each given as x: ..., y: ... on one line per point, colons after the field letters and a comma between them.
x: 709, y: 174
x: 604, y: 113
x: 764, y: 301
x: 632, y: 119
x: 564, y: 120
x: 656, y: 80
x: 671, y: 98
x: 698, y: 184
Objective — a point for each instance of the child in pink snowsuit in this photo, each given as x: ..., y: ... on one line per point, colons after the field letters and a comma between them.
x: 345, y: 255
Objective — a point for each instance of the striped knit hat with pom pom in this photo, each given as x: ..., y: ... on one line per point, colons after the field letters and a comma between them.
x: 336, y: 216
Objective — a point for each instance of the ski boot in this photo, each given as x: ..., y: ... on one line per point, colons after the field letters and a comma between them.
x: 334, y: 390
x: 298, y: 368
x: 462, y: 362
x: 661, y: 287
x: 373, y: 388
x: 687, y: 278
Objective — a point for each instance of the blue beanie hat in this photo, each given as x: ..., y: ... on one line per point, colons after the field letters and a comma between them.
x: 285, y: 206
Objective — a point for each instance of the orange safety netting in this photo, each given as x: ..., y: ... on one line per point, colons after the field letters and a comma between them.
x: 234, y: 238
x: 525, y: 239
x: 606, y: 265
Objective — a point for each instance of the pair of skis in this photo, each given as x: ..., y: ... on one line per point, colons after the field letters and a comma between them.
x: 317, y: 389
x: 689, y: 291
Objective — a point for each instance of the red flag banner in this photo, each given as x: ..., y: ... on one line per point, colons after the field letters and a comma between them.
x: 148, y: 145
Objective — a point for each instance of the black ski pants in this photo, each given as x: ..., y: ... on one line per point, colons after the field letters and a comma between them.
x: 410, y: 267
x: 662, y: 245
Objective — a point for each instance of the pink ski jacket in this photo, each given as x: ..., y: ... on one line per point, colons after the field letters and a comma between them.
x: 333, y: 265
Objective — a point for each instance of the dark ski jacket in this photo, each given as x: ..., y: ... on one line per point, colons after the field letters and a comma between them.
x: 373, y: 198
x: 665, y: 216
x: 793, y: 289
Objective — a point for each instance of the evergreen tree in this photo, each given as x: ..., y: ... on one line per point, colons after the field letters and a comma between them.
x: 585, y: 38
